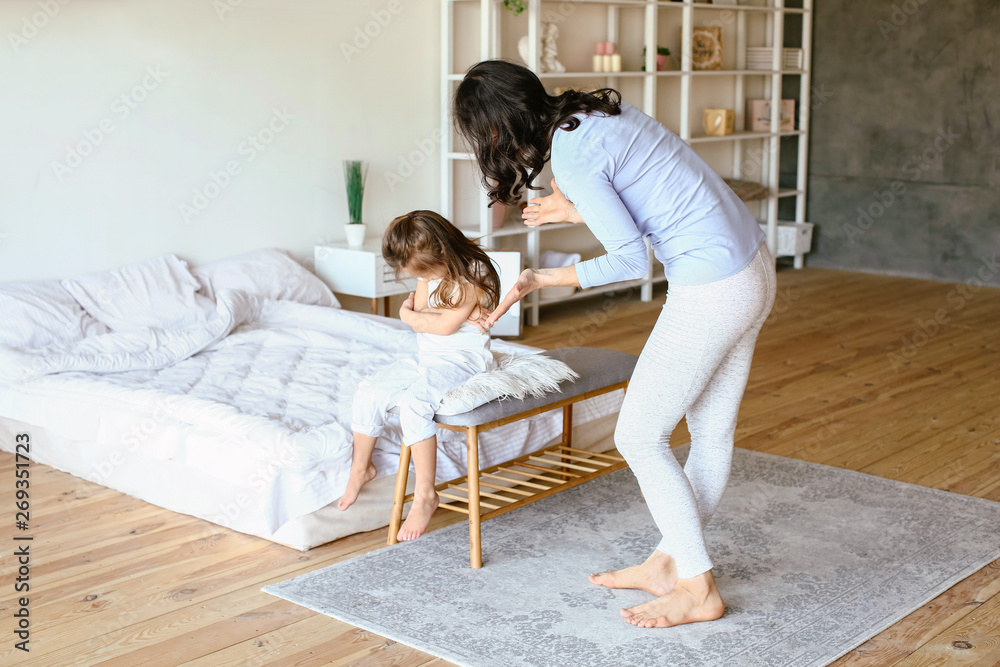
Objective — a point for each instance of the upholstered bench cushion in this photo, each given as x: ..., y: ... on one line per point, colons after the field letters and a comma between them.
x: 597, y: 368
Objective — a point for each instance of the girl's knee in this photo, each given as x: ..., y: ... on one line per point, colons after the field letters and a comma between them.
x: 416, y: 404
x: 416, y: 416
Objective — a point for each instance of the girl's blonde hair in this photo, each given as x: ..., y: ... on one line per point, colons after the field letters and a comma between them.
x: 423, y: 241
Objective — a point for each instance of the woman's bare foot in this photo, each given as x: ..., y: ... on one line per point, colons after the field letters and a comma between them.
x: 418, y: 517
x: 354, y: 483
x: 657, y: 575
x: 692, y: 600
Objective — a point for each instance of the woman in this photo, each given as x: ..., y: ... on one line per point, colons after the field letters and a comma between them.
x: 628, y: 178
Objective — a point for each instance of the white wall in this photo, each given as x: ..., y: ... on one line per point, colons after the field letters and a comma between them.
x: 223, y: 74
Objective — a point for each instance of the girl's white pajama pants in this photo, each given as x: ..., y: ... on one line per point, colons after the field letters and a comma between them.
x: 414, y: 385
x: 695, y: 363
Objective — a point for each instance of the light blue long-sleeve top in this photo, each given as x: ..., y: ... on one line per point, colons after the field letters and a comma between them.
x: 630, y: 177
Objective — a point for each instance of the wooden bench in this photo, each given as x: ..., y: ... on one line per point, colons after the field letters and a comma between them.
x: 534, y: 476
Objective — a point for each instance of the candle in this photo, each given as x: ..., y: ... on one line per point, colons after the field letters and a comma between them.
x: 616, y: 62
x: 599, y: 48
x: 598, y: 63
x: 606, y: 63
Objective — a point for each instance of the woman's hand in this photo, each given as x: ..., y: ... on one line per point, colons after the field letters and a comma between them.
x: 527, y: 282
x: 554, y: 208
x: 479, y: 317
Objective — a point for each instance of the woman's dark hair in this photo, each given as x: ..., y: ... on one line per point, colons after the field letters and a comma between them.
x: 423, y: 241
x: 503, y: 111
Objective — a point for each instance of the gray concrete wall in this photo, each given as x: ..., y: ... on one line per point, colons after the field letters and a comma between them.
x: 904, y: 152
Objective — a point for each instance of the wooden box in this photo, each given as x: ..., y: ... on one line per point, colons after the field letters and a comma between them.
x: 759, y: 115
x: 706, y: 48
x: 719, y: 122
x: 794, y: 240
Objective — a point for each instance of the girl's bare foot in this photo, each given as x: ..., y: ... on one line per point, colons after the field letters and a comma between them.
x: 418, y: 517
x: 657, y: 575
x: 357, y: 480
x: 691, y: 600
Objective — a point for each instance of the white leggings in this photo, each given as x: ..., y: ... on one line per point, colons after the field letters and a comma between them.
x: 695, y: 363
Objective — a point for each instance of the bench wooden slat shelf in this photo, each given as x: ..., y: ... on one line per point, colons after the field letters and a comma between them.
x: 518, y: 481
x: 509, y: 489
x: 601, y: 371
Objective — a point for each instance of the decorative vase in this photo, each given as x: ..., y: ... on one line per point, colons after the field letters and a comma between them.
x: 355, y: 232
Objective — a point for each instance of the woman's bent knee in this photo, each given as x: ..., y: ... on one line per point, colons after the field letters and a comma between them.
x: 634, y: 443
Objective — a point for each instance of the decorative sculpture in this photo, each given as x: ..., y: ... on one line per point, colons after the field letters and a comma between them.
x: 549, y: 49
x: 548, y: 61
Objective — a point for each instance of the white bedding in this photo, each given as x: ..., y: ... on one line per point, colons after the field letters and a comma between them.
x: 258, y: 397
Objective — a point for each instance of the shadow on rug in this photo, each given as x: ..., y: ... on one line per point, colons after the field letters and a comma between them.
x: 811, y: 561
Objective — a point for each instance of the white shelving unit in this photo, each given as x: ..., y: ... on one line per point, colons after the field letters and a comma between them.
x: 653, y: 22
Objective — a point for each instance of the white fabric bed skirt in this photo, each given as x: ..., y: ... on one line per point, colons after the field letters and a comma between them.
x: 193, y: 491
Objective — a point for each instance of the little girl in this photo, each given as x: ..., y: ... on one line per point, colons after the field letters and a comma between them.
x: 457, y: 287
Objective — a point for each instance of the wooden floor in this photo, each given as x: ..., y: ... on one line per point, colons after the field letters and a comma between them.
x: 843, y: 375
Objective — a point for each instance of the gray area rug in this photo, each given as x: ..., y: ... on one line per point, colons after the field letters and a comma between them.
x: 811, y: 561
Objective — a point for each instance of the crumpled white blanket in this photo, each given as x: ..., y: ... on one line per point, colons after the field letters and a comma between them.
x: 153, y: 348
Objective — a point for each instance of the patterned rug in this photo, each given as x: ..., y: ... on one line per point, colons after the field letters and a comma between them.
x: 811, y: 561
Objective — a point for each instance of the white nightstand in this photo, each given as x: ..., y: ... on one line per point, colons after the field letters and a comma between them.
x: 360, y: 271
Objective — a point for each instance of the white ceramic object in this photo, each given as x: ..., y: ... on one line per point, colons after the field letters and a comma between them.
x: 355, y: 233
x: 547, y: 61
x: 549, y: 49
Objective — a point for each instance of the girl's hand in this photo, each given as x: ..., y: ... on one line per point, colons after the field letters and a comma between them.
x: 554, y: 208
x: 407, y: 307
x: 527, y: 282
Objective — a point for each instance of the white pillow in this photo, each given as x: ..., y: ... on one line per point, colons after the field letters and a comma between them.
x: 38, y: 314
x: 270, y: 273
x: 158, y: 292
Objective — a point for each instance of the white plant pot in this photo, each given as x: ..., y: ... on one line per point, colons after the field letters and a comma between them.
x: 355, y: 233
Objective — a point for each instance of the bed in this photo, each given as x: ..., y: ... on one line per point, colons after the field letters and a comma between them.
x: 223, y: 391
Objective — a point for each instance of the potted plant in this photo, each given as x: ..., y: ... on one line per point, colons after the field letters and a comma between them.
x: 516, y: 6
x: 355, y: 172
x: 662, y: 53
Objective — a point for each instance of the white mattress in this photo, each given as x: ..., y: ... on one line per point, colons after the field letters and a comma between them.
x: 252, y: 431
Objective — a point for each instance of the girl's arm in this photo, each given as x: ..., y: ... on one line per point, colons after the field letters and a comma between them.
x: 420, y: 297
x: 441, y: 321
x: 410, y: 303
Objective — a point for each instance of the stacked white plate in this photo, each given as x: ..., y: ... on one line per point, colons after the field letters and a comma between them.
x: 759, y: 57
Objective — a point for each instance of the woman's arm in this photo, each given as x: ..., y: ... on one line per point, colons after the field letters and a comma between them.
x: 586, y: 170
